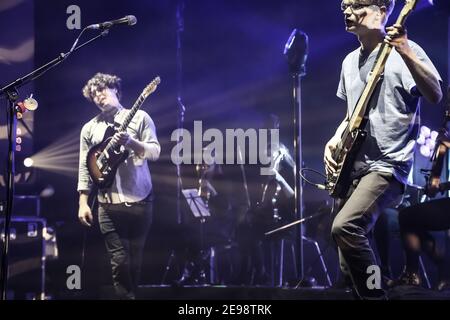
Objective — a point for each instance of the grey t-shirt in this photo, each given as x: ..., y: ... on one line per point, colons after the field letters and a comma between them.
x: 394, y: 111
x: 132, y: 182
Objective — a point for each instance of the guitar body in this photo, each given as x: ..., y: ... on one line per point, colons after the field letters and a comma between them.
x: 339, y: 183
x: 102, y: 164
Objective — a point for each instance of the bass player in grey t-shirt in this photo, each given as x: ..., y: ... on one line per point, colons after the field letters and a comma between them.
x: 384, y: 159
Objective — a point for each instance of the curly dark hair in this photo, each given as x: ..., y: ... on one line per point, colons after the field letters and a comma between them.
x: 100, y: 81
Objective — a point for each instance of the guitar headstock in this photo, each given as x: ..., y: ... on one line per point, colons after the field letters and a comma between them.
x: 406, y: 10
x: 151, y: 87
x: 409, y: 6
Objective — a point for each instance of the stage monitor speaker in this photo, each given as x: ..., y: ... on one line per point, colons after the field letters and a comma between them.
x: 26, y: 273
x: 24, y: 205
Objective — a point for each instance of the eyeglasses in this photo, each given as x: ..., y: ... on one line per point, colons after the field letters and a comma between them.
x: 353, y: 6
x: 96, y: 94
x: 95, y: 90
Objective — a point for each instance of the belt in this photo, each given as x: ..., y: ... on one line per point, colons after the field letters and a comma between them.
x: 146, y: 200
x: 142, y: 202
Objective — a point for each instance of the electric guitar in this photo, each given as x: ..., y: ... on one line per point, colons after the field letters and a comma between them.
x: 354, y: 134
x: 104, y: 158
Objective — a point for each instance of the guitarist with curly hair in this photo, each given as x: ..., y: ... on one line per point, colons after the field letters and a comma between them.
x: 125, y: 204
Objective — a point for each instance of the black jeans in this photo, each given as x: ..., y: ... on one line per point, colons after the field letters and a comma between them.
x: 125, y: 228
x: 366, y: 199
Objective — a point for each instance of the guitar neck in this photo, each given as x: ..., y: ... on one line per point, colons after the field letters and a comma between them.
x: 137, y: 105
x: 123, y: 127
x: 149, y: 89
x: 377, y: 70
x: 375, y: 74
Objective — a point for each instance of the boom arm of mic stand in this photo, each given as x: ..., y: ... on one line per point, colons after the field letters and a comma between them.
x: 33, y: 75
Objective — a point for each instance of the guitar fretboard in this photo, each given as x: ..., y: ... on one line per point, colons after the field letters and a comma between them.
x: 127, y: 120
x: 129, y: 117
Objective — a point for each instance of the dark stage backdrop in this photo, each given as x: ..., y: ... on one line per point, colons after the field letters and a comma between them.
x: 234, y: 76
x: 16, y: 60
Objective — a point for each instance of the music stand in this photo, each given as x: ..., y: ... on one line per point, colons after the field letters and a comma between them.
x: 198, y: 207
x: 200, y: 211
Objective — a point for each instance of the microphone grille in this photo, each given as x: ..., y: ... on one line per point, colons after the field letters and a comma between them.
x: 131, y: 20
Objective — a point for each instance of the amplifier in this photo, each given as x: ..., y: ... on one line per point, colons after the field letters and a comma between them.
x: 26, y: 260
x: 24, y: 206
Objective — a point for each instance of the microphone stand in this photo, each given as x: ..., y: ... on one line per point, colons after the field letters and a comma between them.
x: 296, y: 53
x: 12, y: 95
x: 173, y: 259
x: 181, y: 107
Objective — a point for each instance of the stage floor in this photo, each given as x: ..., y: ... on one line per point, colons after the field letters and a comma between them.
x: 158, y: 292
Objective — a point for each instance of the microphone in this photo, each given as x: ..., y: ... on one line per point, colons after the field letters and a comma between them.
x: 296, y: 51
x: 129, y: 20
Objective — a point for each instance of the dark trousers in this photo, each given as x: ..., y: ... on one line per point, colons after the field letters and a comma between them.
x: 415, y: 224
x: 365, y: 201
x: 124, y: 228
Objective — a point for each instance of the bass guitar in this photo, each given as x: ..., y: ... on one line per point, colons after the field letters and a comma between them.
x: 354, y: 134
